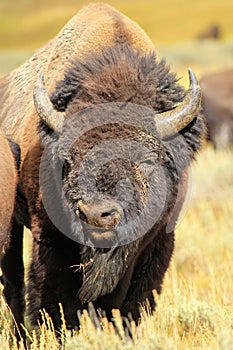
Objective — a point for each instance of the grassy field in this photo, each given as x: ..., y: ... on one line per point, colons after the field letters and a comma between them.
x: 195, y: 310
x: 173, y: 26
x: 29, y: 23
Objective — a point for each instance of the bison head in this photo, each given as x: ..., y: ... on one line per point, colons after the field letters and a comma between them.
x: 118, y: 133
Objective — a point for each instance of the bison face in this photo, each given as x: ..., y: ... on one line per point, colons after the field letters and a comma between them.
x: 117, y: 177
x: 103, y: 146
x: 112, y: 185
x: 109, y: 185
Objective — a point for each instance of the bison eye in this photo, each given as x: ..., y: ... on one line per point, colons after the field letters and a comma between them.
x: 147, y: 166
x: 148, y: 161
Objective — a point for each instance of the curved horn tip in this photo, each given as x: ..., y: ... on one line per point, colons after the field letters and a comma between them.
x: 44, y: 106
x: 192, y: 77
x: 41, y: 78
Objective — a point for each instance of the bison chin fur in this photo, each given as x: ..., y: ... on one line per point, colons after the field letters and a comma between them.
x: 110, y: 270
x: 102, y: 271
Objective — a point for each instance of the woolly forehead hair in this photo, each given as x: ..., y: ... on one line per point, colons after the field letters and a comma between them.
x: 118, y: 73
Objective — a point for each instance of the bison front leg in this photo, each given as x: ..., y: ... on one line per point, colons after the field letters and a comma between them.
x: 13, y: 277
x: 149, y: 274
x: 52, y: 281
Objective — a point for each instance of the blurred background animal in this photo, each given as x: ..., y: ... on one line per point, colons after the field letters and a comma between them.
x: 217, y: 102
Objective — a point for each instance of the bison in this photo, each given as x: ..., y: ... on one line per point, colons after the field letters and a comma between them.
x: 212, y: 32
x: 106, y: 142
x: 8, y: 182
x: 10, y: 158
x: 217, y: 95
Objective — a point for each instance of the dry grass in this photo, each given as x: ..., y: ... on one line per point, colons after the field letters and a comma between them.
x: 195, y: 309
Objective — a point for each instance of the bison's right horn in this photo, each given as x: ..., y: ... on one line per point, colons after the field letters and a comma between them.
x: 169, y: 123
x: 45, y: 108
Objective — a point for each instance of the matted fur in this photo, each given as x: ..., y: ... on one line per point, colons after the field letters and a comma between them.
x: 118, y: 73
x: 121, y: 73
x: 99, y: 56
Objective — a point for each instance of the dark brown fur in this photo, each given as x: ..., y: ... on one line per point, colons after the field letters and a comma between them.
x: 8, y: 181
x: 13, y: 272
x: 119, y: 66
x: 141, y: 264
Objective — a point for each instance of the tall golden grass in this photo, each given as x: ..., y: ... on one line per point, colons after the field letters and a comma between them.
x: 195, y: 309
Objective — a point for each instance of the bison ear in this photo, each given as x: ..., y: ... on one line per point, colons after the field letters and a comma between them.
x: 44, y: 107
x: 16, y: 152
x: 188, y: 142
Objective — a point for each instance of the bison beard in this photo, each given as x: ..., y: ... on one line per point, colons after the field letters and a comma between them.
x: 102, y: 271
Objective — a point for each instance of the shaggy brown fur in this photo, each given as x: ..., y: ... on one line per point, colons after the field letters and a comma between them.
x: 99, y: 56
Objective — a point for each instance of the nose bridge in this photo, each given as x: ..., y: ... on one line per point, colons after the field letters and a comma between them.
x: 105, y: 213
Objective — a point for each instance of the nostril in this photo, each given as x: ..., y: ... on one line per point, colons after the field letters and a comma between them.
x: 81, y: 215
x: 108, y: 213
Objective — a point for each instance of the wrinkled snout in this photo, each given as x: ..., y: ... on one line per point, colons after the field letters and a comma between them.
x: 105, y: 214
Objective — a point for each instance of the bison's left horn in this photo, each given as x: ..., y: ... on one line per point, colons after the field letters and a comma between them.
x: 45, y: 108
x: 171, y: 122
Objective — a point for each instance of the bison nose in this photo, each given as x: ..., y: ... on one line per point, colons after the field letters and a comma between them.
x: 104, y: 215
